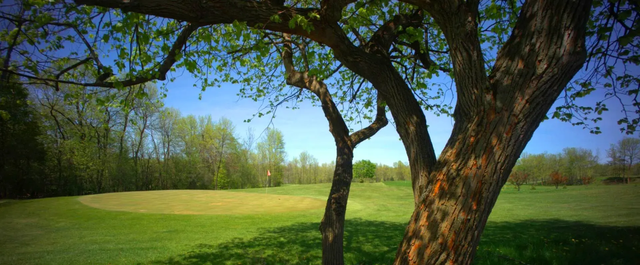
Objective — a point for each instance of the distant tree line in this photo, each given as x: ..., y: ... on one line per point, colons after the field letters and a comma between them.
x: 79, y: 141
x: 578, y: 166
x: 89, y: 140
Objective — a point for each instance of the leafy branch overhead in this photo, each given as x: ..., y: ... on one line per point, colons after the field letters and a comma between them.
x: 147, y: 47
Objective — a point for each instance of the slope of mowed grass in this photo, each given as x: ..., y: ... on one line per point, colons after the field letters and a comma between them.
x: 577, y: 225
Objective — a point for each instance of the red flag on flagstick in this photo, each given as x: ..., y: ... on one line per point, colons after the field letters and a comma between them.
x: 268, y: 173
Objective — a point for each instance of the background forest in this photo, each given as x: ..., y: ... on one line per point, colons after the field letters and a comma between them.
x: 79, y: 141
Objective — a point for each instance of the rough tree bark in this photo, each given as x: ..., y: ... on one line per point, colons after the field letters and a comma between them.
x: 495, y: 114
x: 332, y: 225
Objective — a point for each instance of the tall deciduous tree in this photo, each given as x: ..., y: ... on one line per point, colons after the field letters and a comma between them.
x: 623, y: 155
x: 364, y: 169
x: 332, y: 224
x: 510, y: 61
x: 272, y: 154
x: 578, y: 163
x: 21, y: 153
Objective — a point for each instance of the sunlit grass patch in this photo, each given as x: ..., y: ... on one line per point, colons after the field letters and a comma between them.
x: 200, y: 202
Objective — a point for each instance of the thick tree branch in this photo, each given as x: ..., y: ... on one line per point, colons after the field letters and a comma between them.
x: 331, y: 10
x: 458, y: 22
x: 374, y: 127
x: 337, y: 126
x: 424, y: 57
x: 545, y: 50
x: 256, y: 14
x: 180, y: 42
x: 302, y: 80
x: 381, y: 41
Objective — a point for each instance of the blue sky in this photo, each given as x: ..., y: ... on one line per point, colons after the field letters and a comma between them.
x: 306, y: 129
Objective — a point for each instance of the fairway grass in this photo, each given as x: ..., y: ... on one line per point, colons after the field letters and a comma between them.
x: 200, y: 202
x: 579, y: 225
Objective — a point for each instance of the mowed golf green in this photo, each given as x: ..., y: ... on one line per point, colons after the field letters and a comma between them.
x: 200, y: 202
x: 594, y: 224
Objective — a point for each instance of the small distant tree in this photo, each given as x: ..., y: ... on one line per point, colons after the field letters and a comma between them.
x: 586, y: 180
x: 364, y: 169
x: 624, y: 155
x: 557, y: 179
x: 517, y: 178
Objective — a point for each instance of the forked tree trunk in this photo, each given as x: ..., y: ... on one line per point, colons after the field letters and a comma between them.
x: 494, y: 122
x: 332, y: 224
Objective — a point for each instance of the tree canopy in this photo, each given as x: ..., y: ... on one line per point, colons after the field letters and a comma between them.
x: 364, y: 169
x: 45, y: 40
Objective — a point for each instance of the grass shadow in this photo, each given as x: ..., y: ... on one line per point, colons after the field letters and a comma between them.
x: 558, y: 242
x: 375, y: 242
x: 366, y: 242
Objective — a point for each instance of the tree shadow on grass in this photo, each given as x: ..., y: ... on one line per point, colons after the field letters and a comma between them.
x: 558, y: 242
x: 366, y: 242
x: 375, y: 242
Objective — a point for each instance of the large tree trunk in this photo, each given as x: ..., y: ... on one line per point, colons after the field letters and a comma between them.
x: 494, y: 122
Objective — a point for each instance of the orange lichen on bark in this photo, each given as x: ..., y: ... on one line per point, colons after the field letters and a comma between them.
x: 436, y: 188
x: 467, y: 171
x: 452, y: 241
x: 424, y: 221
x: 453, y: 153
x: 494, y: 140
x: 413, y: 253
x: 410, y: 125
x: 508, y: 132
x: 485, y: 157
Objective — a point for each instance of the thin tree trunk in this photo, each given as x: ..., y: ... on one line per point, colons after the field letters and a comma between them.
x: 332, y: 225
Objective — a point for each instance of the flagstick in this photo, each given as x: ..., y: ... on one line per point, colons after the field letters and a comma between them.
x: 266, y: 187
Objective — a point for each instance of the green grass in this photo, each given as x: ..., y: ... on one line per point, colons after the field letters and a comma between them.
x: 595, y: 224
